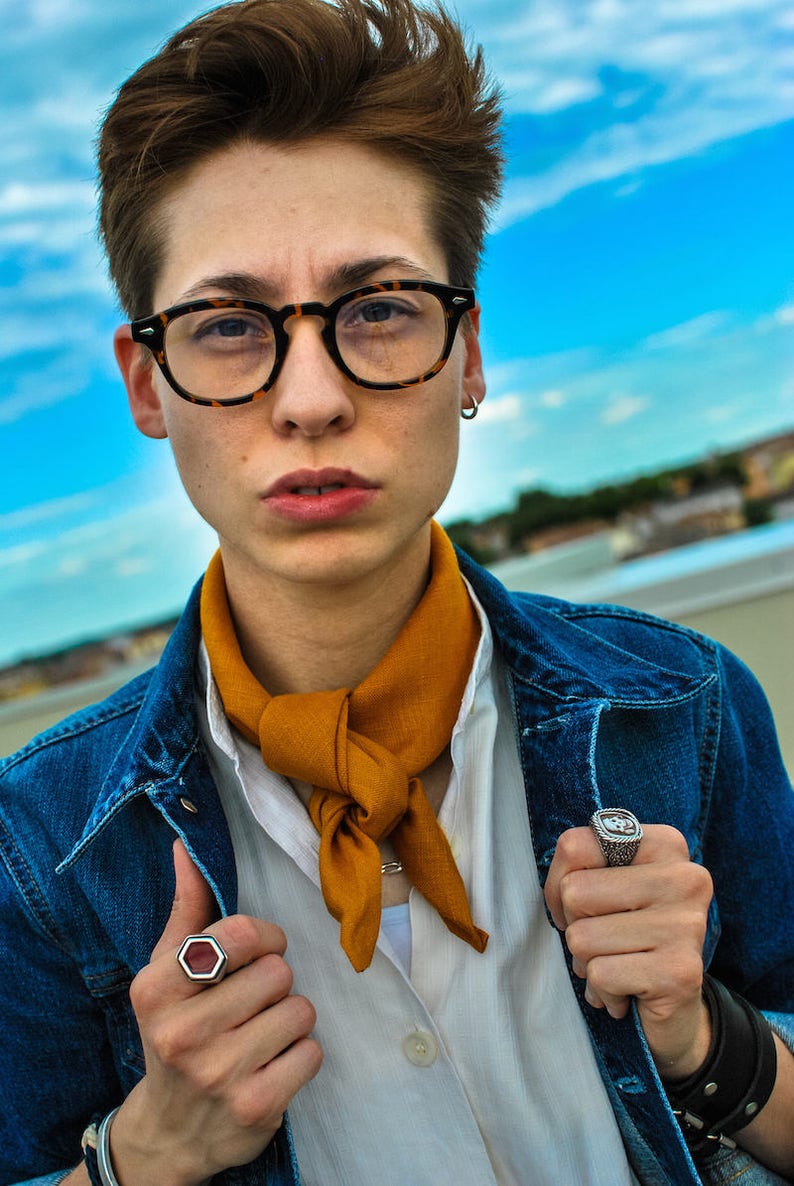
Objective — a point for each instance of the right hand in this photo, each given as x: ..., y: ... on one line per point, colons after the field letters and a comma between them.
x: 222, y: 1061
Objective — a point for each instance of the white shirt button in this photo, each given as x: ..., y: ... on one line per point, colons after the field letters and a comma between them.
x: 420, y: 1048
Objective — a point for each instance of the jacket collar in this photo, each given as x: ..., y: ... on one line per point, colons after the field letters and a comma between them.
x: 545, y: 645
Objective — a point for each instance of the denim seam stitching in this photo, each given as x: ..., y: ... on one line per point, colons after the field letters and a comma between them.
x: 36, y: 908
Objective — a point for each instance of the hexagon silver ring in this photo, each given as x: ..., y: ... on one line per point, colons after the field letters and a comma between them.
x: 618, y: 833
x: 202, y: 959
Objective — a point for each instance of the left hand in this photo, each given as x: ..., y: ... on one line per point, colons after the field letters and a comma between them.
x: 638, y: 931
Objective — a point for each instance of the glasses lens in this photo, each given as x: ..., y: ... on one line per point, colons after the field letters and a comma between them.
x: 221, y: 353
x: 391, y: 337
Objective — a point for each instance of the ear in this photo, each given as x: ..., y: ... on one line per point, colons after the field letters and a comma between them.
x: 138, y: 372
x: 473, y: 385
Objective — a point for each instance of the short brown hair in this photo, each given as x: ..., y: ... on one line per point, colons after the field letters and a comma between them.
x: 384, y: 73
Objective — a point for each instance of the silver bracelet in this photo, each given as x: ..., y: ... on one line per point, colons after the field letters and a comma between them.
x: 103, y: 1162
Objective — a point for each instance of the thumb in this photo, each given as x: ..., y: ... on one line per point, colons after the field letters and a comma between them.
x: 194, y: 906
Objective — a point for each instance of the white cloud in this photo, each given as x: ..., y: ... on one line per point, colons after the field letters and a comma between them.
x: 621, y: 150
x: 133, y: 566
x: 525, y: 479
x: 37, y: 397
x: 72, y: 566
x: 624, y: 407
x: 720, y: 414
x: 540, y: 371
x: 24, y: 198
x: 52, y: 14
x: 706, y: 10
x: 694, y: 330
x: 46, y: 582
x: 65, y: 376
x: 557, y: 94
x: 506, y: 407
x: 553, y: 399
x: 45, y: 512
x: 779, y: 319
x: 20, y: 556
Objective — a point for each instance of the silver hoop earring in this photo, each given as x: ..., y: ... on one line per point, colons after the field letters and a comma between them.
x: 470, y: 413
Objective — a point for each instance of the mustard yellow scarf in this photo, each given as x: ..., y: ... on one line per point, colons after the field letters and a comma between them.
x: 362, y: 750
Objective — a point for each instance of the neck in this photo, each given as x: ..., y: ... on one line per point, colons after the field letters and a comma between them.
x: 314, y: 637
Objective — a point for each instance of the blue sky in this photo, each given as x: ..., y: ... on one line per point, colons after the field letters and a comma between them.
x: 638, y: 291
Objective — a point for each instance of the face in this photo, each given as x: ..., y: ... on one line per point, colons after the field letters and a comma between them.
x: 320, y: 481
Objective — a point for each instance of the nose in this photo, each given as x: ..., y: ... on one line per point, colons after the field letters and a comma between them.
x: 310, y: 396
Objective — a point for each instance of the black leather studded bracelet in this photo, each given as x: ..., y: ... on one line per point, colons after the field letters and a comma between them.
x: 736, y: 1079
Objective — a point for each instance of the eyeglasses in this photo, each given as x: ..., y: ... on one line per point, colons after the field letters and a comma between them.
x: 225, y: 351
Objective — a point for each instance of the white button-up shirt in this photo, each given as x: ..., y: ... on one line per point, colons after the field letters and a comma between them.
x: 451, y: 1066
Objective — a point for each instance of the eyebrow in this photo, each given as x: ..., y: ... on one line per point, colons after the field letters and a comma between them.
x: 253, y: 287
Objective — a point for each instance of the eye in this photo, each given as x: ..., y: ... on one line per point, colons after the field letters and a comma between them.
x: 377, y: 310
x: 229, y: 326
x: 220, y: 330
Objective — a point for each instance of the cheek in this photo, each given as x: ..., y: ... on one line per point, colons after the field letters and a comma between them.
x: 432, y: 452
x: 201, y: 453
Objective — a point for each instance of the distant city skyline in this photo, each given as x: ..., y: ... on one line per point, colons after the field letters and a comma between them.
x: 637, y: 291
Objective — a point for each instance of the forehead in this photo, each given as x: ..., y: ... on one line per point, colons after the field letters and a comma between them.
x: 295, y: 217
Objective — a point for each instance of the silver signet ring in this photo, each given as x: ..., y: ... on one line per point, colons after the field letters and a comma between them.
x: 202, y: 959
x: 618, y: 833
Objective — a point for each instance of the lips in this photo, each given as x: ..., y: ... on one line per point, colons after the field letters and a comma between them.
x: 319, y: 496
x: 312, y: 483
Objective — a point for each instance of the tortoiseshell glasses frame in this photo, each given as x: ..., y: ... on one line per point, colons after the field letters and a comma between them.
x: 399, y: 333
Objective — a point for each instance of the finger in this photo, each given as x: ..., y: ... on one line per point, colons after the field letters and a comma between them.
x: 619, y: 897
x: 252, y: 990
x: 605, y: 980
x: 226, y: 1058
x: 245, y: 939
x: 275, y: 1030
x: 268, y: 1093
x: 658, y: 990
x: 662, y: 975
x: 578, y: 850
x: 675, y: 935
x: 616, y: 1006
x: 591, y: 996
x: 193, y: 908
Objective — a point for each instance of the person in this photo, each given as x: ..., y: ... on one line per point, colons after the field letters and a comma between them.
x: 383, y: 874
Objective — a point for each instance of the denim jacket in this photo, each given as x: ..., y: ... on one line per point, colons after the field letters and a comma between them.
x: 611, y: 708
